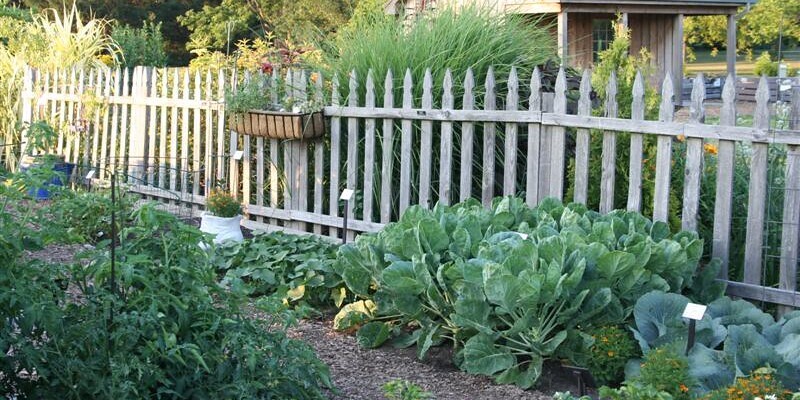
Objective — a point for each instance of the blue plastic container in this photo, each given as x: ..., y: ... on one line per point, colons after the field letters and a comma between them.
x: 62, y: 169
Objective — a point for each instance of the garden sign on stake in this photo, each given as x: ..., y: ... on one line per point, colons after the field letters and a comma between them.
x: 347, y: 194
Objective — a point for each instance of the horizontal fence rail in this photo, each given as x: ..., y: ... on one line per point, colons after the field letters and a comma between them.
x: 462, y: 137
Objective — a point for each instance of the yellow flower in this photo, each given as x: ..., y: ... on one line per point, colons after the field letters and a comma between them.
x: 710, y: 148
x: 314, y: 76
x: 681, y: 138
x: 611, y: 354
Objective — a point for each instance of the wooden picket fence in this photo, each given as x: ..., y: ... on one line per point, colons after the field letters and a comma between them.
x: 166, y: 129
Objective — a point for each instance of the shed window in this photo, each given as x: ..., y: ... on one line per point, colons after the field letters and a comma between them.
x: 602, y: 35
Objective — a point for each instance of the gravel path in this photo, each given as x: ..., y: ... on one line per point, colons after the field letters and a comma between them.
x: 359, y: 373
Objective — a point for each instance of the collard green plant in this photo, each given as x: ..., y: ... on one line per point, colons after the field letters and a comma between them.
x: 298, y: 269
x: 510, y: 286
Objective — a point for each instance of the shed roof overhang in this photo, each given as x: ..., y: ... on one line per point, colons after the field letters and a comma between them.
x: 686, y: 7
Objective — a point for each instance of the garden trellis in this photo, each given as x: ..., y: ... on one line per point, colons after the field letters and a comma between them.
x: 475, y: 139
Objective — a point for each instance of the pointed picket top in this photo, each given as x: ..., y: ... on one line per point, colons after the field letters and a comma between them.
x: 697, y: 111
x: 489, y: 96
x: 408, y: 87
x: 727, y: 115
x: 427, y: 90
x: 667, y: 107
x: 794, y: 115
x: 289, y: 82
x: 300, y: 86
x: 273, y: 86
x: 447, y: 86
x: 319, y: 87
x: 469, y: 86
x: 761, y: 116
x: 352, y: 97
x: 611, y: 96
x: 535, y: 100
x: 369, y: 101
x: 560, y: 101
x: 585, y: 101
x: 388, y: 89
x: 512, y: 98
x: 637, y: 105
x: 335, y: 90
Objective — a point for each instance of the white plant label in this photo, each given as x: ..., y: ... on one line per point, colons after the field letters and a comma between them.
x: 238, y: 155
x: 524, y: 236
x: 90, y: 175
x: 347, y: 194
x: 694, y: 311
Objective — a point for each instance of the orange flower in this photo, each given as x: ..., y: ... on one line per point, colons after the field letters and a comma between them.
x: 684, y: 388
x: 710, y: 148
x: 681, y: 138
x: 611, y: 354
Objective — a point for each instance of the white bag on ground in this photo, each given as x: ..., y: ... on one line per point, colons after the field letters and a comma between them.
x: 224, y: 229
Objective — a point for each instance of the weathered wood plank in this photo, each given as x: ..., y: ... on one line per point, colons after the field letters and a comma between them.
x: 446, y: 145
x: 467, y: 137
x: 558, y: 144
x: 288, y: 155
x: 274, y: 153
x: 489, y: 128
x: 694, y: 159
x: 96, y: 84
x: 582, y: 144
x: 319, y: 155
x: 173, y: 144
x: 405, y: 145
x: 510, y: 140
x: 369, y: 150
x: 664, y: 154
x: 720, y: 246
x: 762, y: 293
x: 105, y: 150
x: 185, y: 140
x: 220, y: 156
x: 756, y: 204
x: 545, y: 140
x: 635, y: 165
x: 333, y: 197
x: 534, y: 141
x: 790, y: 233
x: 115, y: 122
x: 609, y: 155
x: 426, y: 143
x: 150, y: 116
x: 162, y: 139
x: 208, y: 159
x: 352, y: 149
x: 387, y: 158
x: 301, y: 153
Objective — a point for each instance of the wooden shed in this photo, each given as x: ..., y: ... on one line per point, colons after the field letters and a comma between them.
x: 584, y: 27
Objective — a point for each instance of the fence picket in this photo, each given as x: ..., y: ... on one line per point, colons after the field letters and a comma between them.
x: 467, y: 137
x: 173, y: 144
x: 369, y: 149
x: 185, y: 135
x: 208, y: 167
x: 387, y: 158
x: 724, y: 190
x: 96, y: 84
x: 635, y: 168
x: 510, y: 142
x: 446, y: 146
x: 790, y: 235
x: 664, y: 154
x: 274, y: 154
x: 426, y: 146
x: 105, y: 152
x: 534, y: 141
x: 609, y: 166
x: 694, y: 159
x: 59, y: 107
x: 288, y: 157
x: 220, y: 159
x: 405, y: 145
x: 558, y: 145
x: 319, y: 156
x: 300, y: 150
x: 333, y: 197
x: 162, y: 144
x: 115, y: 122
x: 489, y: 103
x: 756, y: 204
x: 352, y: 149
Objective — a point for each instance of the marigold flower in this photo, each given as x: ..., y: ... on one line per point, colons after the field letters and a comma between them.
x: 710, y: 148
x: 684, y: 388
x: 681, y: 138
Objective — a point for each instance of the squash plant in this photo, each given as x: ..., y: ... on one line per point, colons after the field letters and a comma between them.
x: 508, y: 286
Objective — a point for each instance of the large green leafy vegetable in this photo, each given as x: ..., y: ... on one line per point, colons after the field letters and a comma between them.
x: 512, y: 285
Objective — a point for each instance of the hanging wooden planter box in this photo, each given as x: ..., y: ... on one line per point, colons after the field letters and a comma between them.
x: 278, y: 124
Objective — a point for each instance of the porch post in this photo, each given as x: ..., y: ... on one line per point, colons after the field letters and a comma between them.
x: 731, y: 45
x: 563, y: 51
x: 677, y: 57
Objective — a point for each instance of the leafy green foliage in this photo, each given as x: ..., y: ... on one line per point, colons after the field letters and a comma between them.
x: 634, y: 391
x: 400, y: 389
x: 298, y: 269
x: 163, y: 328
x: 140, y: 46
x: 612, y: 348
x: 86, y: 216
x: 761, y: 384
x: 222, y: 204
x: 667, y: 370
x: 465, y: 275
x: 734, y: 338
x: 765, y: 66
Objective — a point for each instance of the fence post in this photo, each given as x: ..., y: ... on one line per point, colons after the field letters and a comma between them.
x: 139, y: 122
x: 790, y: 235
x: 26, y: 113
x: 756, y: 204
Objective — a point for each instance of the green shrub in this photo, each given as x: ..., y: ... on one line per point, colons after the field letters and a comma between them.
x: 667, y: 370
x: 140, y: 46
x: 765, y: 66
x: 400, y: 389
x: 164, y: 328
x: 222, y: 204
x: 761, y: 384
x: 613, y: 347
x: 298, y: 269
x: 86, y: 216
x: 634, y: 391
